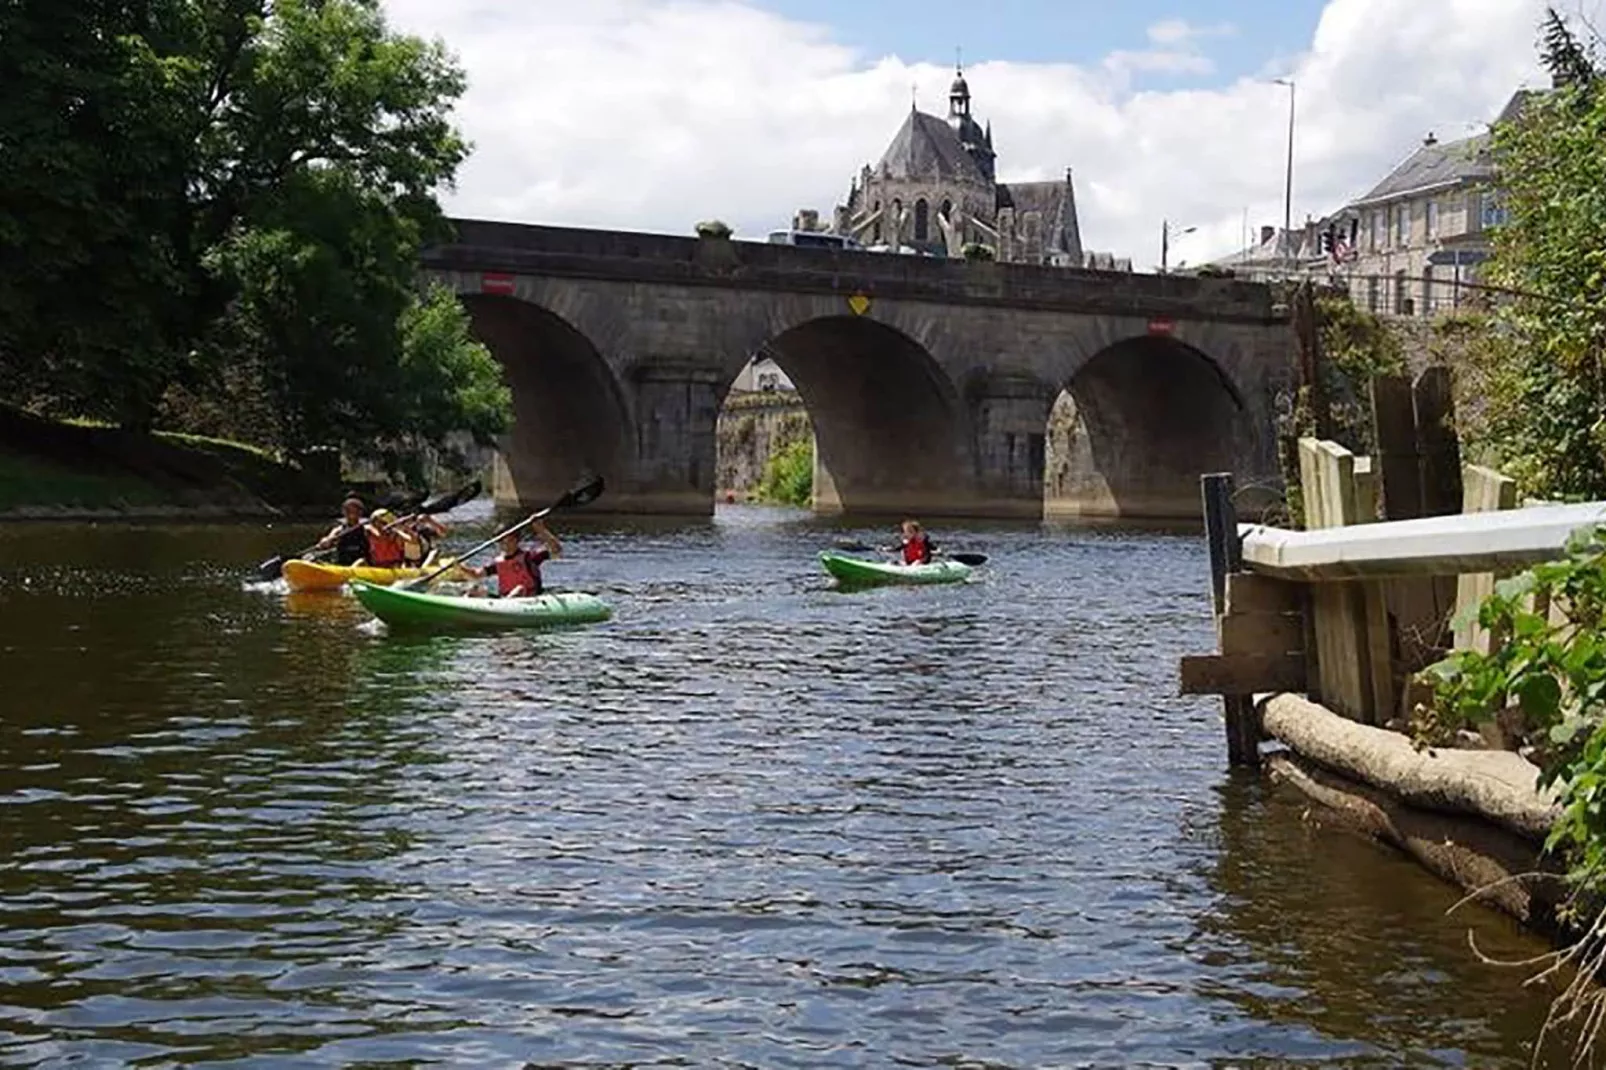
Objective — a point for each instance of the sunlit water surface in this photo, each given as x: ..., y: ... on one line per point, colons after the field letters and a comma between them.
x: 753, y: 821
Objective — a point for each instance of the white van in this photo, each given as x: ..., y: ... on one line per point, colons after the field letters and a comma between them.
x: 813, y: 239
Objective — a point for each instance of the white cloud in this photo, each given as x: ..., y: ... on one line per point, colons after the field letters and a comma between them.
x: 1174, y: 32
x: 653, y: 114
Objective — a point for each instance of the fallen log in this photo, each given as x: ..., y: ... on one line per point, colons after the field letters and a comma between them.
x: 1498, y: 786
x: 1505, y: 870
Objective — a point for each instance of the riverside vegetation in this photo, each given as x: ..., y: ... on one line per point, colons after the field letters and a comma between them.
x: 1536, y: 356
x: 210, y: 219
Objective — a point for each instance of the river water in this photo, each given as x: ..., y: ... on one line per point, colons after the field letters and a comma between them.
x: 753, y: 821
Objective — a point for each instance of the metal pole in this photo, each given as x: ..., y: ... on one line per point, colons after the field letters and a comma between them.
x: 1165, y: 242
x: 1288, y: 185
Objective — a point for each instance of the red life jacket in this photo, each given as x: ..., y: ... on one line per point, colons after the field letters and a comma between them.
x: 917, y: 551
x: 385, y: 551
x: 523, y: 569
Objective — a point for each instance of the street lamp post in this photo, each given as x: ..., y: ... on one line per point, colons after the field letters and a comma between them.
x: 1288, y: 184
x: 1165, y: 242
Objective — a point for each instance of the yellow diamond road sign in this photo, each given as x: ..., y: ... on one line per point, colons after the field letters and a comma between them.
x: 859, y: 303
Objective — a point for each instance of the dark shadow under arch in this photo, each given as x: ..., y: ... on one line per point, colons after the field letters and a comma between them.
x: 1134, y: 429
x: 887, y: 422
x: 568, y: 416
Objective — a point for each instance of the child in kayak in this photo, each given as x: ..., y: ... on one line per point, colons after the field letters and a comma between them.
x: 427, y: 533
x: 915, y: 545
x: 349, y: 540
x: 518, y: 570
x: 387, y: 540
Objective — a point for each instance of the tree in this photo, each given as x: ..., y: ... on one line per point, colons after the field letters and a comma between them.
x: 272, y: 168
x: 1542, y: 362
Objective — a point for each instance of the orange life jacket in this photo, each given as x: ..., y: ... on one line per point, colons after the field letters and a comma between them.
x: 385, y: 551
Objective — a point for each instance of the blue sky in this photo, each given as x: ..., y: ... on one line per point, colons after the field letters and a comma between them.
x: 1058, y: 31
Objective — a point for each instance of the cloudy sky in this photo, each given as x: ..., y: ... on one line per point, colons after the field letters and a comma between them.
x: 653, y: 114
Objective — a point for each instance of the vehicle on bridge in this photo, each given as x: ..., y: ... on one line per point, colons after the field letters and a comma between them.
x: 816, y: 239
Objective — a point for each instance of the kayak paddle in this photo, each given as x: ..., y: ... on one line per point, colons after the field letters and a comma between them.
x: 273, y: 567
x: 850, y: 545
x: 583, y: 494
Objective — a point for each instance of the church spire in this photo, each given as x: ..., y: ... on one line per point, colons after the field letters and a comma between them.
x: 959, y: 92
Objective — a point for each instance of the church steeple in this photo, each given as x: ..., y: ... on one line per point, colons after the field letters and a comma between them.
x: 959, y: 96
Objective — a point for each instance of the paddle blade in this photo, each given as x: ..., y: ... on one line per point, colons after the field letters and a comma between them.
x: 584, y: 494
x: 271, y: 569
x: 969, y: 559
x: 854, y: 546
x: 445, y: 503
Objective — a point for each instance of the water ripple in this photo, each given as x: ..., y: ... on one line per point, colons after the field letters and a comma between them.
x: 753, y: 821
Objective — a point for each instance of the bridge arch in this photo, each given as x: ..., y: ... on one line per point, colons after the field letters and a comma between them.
x: 888, y: 422
x: 569, y: 414
x: 1135, y: 424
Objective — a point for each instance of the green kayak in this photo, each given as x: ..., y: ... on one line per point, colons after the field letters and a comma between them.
x: 418, y: 609
x: 860, y: 572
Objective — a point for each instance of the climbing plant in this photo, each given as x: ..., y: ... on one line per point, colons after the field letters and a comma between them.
x: 1549, y: 665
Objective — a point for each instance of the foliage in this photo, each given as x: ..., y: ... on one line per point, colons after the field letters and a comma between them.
x: 1549, y: 665
x: 715, y: 229
x: 788, y: 476
x: 1542, y: 369
x: 977, y: 251
x: 1358, y: 346
x: 216, y: 200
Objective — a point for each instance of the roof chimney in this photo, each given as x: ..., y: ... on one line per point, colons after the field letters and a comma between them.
x: 1430, y: 139
x: 1266, y: 234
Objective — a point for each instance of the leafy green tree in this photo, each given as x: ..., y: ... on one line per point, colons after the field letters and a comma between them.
x: 268, y: 173
x: 1542, y: 363
x: 788, y: 477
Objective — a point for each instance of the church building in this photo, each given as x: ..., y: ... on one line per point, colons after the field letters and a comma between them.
x: 936, y: 191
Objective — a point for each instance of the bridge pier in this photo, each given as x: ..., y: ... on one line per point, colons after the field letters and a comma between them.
x: 677, y: 412
x: 1009, y: 414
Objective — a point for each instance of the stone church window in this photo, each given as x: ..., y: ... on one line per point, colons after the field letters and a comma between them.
x: 922, y: 220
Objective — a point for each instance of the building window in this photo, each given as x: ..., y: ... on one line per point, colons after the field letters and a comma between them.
x: 1494, y: 213
x: 922, y: 220
x: 1427, y: 291
x: 1373, y: 286
x: 1432, y: 219
x: 1402, y: 225
x: 1402, y: 303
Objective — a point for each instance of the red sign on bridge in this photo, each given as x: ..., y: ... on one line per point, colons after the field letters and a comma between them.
x: 496, y: 283
x: 1161, y: 325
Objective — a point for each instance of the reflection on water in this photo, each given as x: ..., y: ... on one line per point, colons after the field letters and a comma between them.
x: 750, y: 821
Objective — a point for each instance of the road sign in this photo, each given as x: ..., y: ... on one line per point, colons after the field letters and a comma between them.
x: 859, y: 303
x: 1161, y: 325
x: 497, y: 283
x: 1442, y: 257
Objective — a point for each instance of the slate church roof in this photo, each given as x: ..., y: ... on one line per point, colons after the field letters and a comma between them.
x: 927, y: 147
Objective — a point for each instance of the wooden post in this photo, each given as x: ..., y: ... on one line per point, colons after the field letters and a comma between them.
x: 1437, y: 444
x: 1397, y: 463
x: 1343, y: 648
x: 1486, y: 491
x: 1439, y: 449
x: 1221, y: 533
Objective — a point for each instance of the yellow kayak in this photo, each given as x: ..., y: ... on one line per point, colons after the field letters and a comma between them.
x: 317, y: 576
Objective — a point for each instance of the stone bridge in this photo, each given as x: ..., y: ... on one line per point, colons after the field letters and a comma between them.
x: 929, y: 382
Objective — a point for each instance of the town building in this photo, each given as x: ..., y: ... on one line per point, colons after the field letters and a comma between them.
x: 1408, y: 246
x: 936, y: 190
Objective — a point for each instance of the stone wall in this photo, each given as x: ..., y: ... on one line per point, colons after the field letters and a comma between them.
x: 751, y: 427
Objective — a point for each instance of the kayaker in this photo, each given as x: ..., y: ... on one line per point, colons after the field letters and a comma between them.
x: 426, y: 532
x: 518, y: 570
x: 915, y: 546
x: 348, y: 538
x: 387, y: 540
